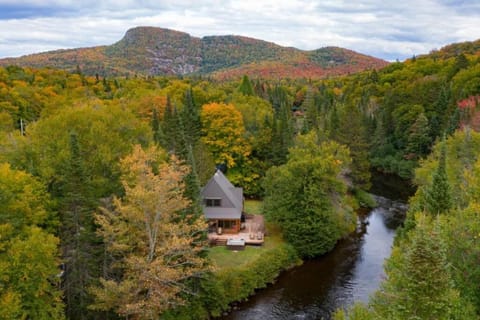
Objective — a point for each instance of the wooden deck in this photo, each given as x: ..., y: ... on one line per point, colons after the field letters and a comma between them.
x: 253, y: 232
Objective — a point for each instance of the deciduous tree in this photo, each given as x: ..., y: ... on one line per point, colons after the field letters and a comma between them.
x: 307, y: 198
x: 159, y: 249
x: 223, y: 133
x: 28, y: 252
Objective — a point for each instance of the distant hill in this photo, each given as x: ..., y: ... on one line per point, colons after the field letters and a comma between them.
x: 454, y: 49
x: 157, y: 51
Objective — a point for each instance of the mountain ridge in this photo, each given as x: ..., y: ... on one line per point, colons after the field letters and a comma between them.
x: 160, y: 51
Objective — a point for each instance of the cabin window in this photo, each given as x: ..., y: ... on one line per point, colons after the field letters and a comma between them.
x: 227, y: 224
x: 213, y: 202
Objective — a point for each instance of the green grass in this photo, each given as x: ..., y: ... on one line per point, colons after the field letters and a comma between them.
x: 253, y: 206
x: 224, y: 258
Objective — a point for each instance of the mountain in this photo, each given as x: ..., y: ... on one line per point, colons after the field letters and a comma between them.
x: 157, y: 51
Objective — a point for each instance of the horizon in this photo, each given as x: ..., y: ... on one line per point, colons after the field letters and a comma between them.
x: 392, y: 31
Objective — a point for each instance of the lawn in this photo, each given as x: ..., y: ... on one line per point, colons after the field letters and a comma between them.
x: 253, y: 206
x: 224, y: 258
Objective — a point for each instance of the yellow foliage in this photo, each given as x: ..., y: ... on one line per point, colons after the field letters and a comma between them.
x: 224, y: 133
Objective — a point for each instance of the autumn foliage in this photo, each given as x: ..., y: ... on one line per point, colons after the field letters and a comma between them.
x: 224, y: 132
x: 158, y: 249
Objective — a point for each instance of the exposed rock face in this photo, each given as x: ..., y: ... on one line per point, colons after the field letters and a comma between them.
x: 157, y: 51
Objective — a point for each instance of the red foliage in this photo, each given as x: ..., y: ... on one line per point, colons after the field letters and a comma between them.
x: 470, y: 112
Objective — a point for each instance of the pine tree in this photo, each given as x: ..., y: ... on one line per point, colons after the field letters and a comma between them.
x: 437, y: 195
x: 78, y: 237
x: 311, y: 110
x: 246, y: 87
x: 192, y: 185
x: 352, y: 133
x: 158, y: 135
x: 419, y: 283
x: 171, y: 127
x: 190, y: 116
x: 419, y: 139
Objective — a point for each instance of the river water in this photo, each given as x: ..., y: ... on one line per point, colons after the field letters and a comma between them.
x: 351, y: 272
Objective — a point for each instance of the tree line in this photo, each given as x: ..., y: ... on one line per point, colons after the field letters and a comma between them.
x: 86, y: 160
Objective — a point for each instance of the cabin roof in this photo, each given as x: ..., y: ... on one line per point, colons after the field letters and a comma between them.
x: 232, y: 198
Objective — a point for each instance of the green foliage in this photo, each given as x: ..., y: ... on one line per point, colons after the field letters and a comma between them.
x: 78, y: 127
x: 306, y: 197
x: 419, y: 283
x: 461, y: 151
x: 77, y: 232
x: 364, y: 198
x: 245, y: 87
x: 253, y: 206
x: 236, y: 280
x: 437, y: 195
x: 47, y: 157
x: 28, y: 252
x: 461, y: 231
x: 357, y: 312
x: 352, y: 133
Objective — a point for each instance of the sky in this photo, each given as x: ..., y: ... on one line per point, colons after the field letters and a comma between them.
x: 387, y: 29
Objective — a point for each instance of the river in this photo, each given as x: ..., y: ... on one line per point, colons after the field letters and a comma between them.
x: 351, y: 272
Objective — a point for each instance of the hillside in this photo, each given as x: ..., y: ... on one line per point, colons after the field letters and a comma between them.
x: 157, y: 51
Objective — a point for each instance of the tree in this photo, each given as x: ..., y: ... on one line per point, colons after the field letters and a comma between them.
x: 158, y: 134
x: 461, y: 230
x: 437, y: 196
x: 190, y: 120
x: 80, y: 166
x: 223, y: 133
x: 246, y: 87
x: 307, y: 198
x: 28, y: 251
x: 311, y: 111
x: 159, y: 249
x: 419, y: 283
x: 419, y: 139
x: 78, y: 239
x: 352, y: 133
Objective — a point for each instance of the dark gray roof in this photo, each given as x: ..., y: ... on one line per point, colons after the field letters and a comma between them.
x: 222, y: 213
x: 232, y: 198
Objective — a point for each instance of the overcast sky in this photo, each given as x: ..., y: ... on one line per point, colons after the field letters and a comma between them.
x: 388, y: 29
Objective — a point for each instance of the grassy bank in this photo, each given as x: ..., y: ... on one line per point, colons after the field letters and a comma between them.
x: 237, y: 275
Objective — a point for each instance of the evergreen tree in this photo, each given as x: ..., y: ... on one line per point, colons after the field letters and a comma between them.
x: 437, y: 195
x: 282, y: 135
x: 192, y: 185
x: 419, y: 140
x: 190, y: 117
x: 419, y: 283
x: 334, y: 122
x: 78, y: 239
x: 306, y: 197
x: 158, y: 135
x: 246, y: 87
x: 171, y: 125
x: 352, y: 133
x: 311, y: 110
x: 438, y: 120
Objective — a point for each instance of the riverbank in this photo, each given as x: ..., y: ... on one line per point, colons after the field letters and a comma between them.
x: 237, y: 275
x: 350, y: 272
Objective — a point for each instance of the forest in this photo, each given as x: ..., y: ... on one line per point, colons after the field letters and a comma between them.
x: 100, y: 181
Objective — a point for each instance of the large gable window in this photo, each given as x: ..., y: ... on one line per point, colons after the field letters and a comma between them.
x: 213, y: 202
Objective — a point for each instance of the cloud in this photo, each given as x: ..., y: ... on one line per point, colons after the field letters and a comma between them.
x: 385, y: 29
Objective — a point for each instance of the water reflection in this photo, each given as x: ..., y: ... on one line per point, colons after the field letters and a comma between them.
x: 351, y: 272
